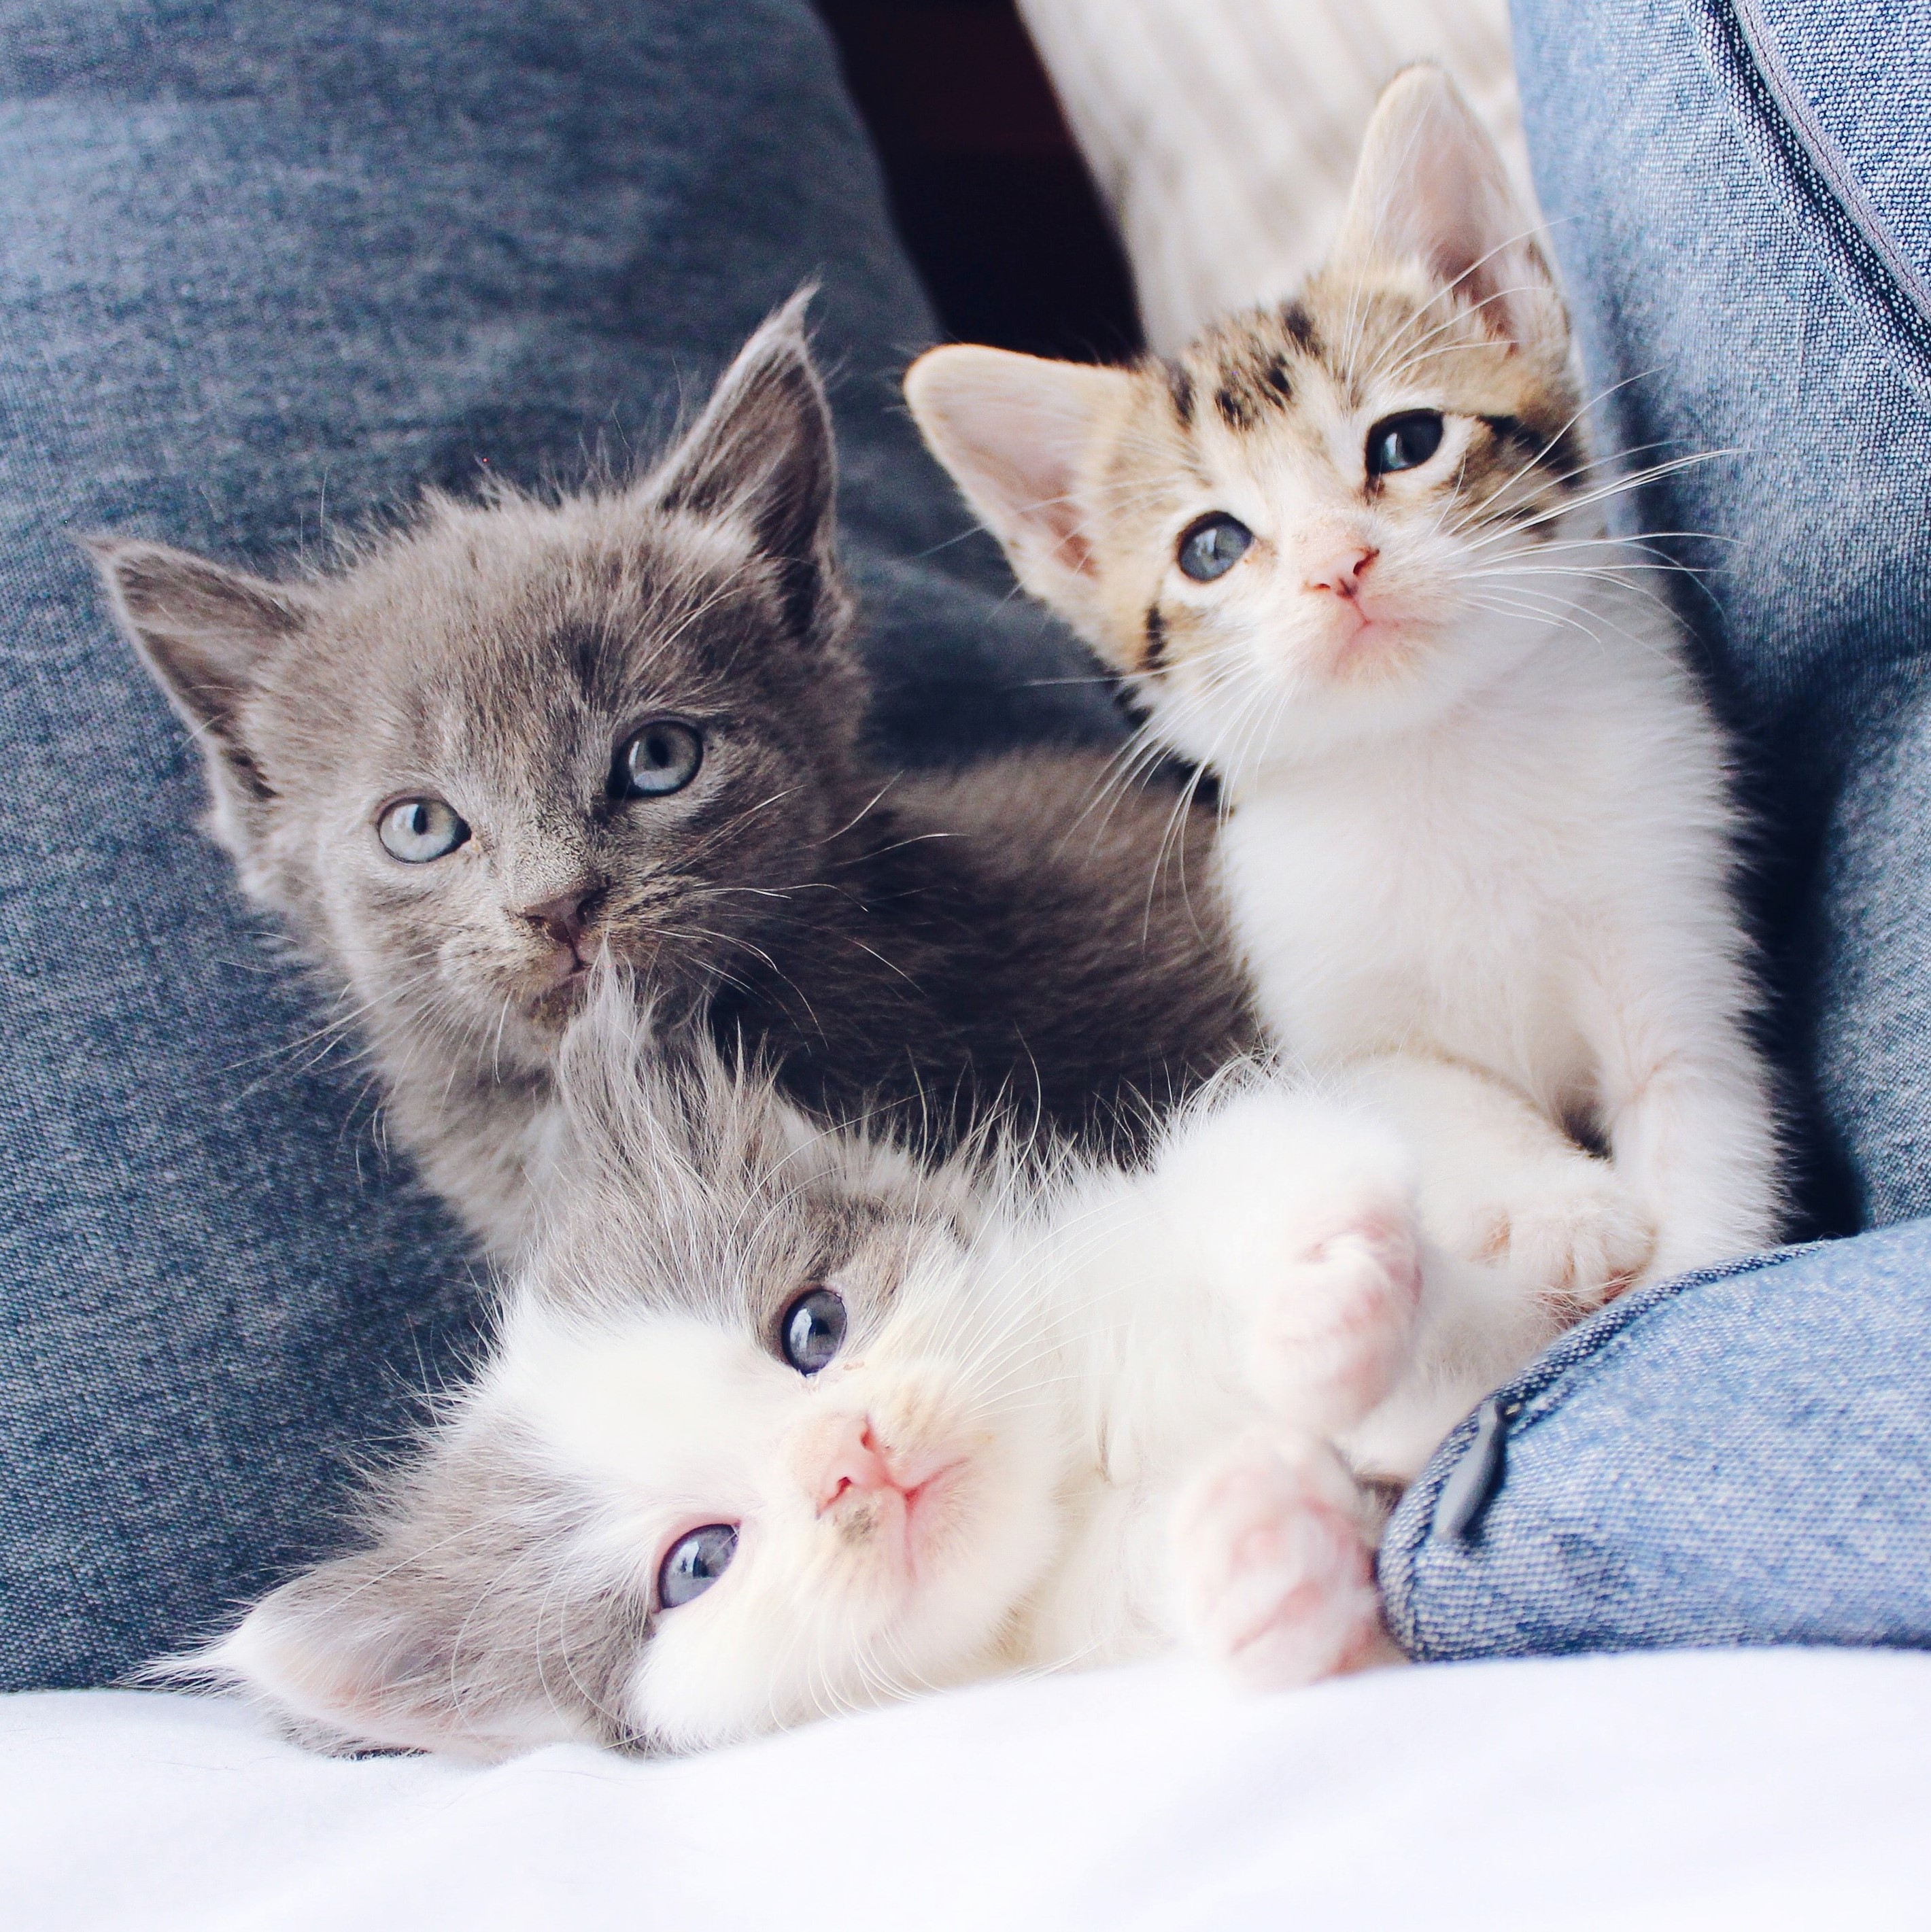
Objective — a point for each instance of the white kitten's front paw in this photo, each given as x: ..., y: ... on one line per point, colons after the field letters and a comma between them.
x: 1572, y: 1231
x: 1333, y: 1321
x: 1276, y: 1579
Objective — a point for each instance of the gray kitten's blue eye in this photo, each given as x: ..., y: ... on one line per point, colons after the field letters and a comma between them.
x: 812, y: 1330
x: 1404, y: 441
x: 695, y: 1562
x: 1211, y: 547
x: 418, y: 830
x: 661, y: 758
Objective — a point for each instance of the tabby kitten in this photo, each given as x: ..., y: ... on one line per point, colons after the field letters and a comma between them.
x: 776, y: 1424
x: 520, y: 736
x: 1349, y: 554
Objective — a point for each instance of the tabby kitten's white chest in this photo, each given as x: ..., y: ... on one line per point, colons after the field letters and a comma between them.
x: 1463, y: 886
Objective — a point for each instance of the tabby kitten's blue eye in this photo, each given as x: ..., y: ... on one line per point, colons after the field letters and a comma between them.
x: 418, y: 830
x: 1211, y: 547
x: 1404, y: 441
x: 695, y: 1562
x: 812, y: 1330
x: 661, y: 758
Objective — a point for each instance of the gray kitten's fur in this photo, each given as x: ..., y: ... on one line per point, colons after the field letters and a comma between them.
x: 922, y: 945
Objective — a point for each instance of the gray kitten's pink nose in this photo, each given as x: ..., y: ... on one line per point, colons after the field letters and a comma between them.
x: 561, y: 918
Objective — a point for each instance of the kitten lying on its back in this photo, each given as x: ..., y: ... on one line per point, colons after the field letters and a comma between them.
x: 776, y: 1424
x: 1349, y: 555
x: 519, y: 735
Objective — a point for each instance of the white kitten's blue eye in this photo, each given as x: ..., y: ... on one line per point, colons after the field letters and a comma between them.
x: 661, y: 758
x: 695, y: 1562
x: 418, y: 830
x: 1404, y: 441
x: 812, y: 1330
x: 1212, y: 546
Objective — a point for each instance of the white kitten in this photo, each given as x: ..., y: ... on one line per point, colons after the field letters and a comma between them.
x: 779, y: 1422
x: 1349, y: 555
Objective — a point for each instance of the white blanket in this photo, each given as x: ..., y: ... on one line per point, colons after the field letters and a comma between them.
x: 1700, y: 1789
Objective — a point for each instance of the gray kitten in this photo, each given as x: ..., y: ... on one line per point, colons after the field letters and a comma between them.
x: 518, y: 735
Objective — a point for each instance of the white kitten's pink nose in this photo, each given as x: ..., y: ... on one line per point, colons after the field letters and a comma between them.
x: 1341, y: 567
x: 846, y: 1458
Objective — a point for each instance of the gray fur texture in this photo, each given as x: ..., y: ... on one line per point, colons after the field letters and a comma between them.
x: 492, y: 1606
x: 1025, y: 932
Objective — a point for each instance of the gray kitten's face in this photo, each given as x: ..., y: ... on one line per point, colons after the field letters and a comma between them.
x: 519, y: 736
x: 757, y: 1442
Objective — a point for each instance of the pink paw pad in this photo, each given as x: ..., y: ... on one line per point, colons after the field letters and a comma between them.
x: 1276, y: 1579
x: 1335, y: 1329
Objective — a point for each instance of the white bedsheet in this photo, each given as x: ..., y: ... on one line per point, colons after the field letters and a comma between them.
x: 1706, y: 1789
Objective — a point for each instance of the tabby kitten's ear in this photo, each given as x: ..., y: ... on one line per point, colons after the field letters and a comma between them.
x: 206, y: 632
x: 1022, y: 437
x: 1431, y: 188
x: 762, y: 455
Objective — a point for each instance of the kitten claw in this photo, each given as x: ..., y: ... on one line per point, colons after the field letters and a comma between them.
x: 1277, y: 1575
x: 1576, y: 1236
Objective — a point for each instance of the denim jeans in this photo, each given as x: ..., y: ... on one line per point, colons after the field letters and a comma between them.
x: 266, y: 268
x: 1739, y: 194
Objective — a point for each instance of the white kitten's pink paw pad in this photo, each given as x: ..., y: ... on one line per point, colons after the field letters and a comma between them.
x: 1277, y: 1580
x: 1334, y: 1327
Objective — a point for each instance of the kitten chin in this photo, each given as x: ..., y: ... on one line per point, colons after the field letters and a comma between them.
x: 1351, y: 552
x: 779, y: 1423
x: 520, y: 736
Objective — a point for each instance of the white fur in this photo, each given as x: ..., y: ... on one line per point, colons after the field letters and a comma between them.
x: 1150, y: 1395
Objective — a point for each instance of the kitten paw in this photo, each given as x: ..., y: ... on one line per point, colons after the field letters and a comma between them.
x: 1333, y: 1325
x: 1276, y: 1578
x: 1577, y: 1236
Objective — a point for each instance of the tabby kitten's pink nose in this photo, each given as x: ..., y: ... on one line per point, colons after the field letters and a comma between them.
x: 561, y: 918
x: 1343, y: 571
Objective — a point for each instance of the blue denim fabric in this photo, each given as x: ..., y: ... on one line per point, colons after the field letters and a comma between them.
x: 1742, y: 1457
x: 1734, y: 194
x: 265, y: 265
x: 1737, y: 195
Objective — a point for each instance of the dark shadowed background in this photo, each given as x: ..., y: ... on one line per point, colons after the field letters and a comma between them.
x: 989, y: 194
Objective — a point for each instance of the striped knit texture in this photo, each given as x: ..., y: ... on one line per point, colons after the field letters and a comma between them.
x: 1223, y: 133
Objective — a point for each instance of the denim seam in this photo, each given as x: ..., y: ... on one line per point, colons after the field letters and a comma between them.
x: 1553, y: 1375
x: 1773, y: 131
x: 1598, y: 1346
x: 1826, y: 157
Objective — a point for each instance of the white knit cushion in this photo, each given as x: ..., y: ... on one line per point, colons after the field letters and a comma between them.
x: 1223, y: 133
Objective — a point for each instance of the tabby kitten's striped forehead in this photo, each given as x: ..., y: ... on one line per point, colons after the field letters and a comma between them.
x: 1321, y: 515
x: 1352, y: 348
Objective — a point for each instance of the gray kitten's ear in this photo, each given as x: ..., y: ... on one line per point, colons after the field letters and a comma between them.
x: 1430, y: 186
x: 763, y: 454
x: 1021, y: 437
x: 363, y: 1652
x: 205, y: 632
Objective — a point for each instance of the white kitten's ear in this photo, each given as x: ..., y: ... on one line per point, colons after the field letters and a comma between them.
x: 1430, y: 187
x: 1019, y: 434
x: 205, y: 632
x: 362, y: 1653
x: 763, y: 453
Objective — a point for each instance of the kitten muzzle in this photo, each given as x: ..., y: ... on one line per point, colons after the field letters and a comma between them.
x: 870, y: 1492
